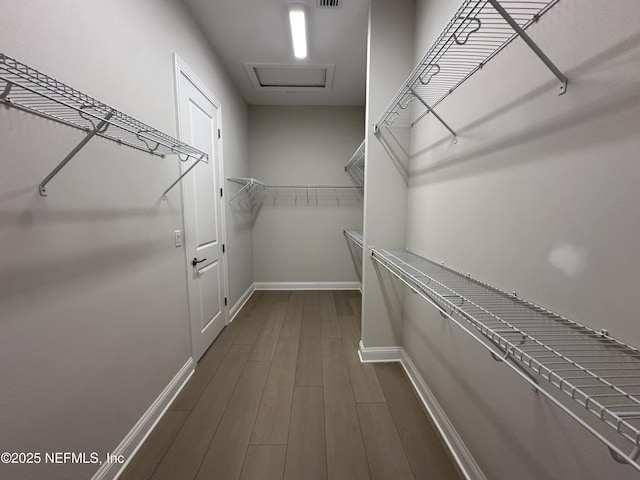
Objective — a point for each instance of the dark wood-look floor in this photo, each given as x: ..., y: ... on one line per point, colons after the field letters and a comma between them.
x: 281, y: 394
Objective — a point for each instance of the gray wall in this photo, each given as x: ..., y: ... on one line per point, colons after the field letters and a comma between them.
x: 539, y: 196
x: 93, y: 305
x: 295, y: 240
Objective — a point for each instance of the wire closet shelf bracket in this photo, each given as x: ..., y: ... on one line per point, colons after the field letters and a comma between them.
x: 597, y: 373
x: 476, y: 33
x: 28, y: 89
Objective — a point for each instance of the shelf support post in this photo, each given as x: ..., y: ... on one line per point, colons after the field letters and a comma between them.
x: 164, y: 194
x: 532, y: 45
x: 431, y: 110
x: 102, y: 126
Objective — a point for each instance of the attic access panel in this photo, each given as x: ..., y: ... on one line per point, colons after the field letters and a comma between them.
x: 290, y: 78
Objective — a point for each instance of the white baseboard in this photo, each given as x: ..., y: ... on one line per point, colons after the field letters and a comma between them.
x: 379, y: 354
x: 457, y: 448
x: 459, y: 452
x: 307, y: 285
x: 141, y: 430
x: 244, y: 298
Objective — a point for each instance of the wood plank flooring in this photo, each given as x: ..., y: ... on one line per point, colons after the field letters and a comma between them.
x: 281, y: 394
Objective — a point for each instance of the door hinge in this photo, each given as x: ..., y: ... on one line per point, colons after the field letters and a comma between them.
x: 223, y: 248
x: 220, y: 192
x: 218, y: 133
x: 225, y: 301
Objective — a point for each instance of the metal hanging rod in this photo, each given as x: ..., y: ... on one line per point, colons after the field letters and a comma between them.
x: 355, y: 166
x: 26, y: 88
x: 476, y: 33
x: 598, y: 373
x: 355, y: 236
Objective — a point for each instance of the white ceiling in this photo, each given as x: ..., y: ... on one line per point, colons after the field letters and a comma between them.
x: 257, y: 31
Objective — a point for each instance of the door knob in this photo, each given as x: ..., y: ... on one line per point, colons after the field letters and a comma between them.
x: 195, y: 261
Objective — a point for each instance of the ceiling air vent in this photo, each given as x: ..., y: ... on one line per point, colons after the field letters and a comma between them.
x: 328, y: 3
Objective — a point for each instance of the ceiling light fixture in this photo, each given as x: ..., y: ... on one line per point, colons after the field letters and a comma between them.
x: 298, y: 31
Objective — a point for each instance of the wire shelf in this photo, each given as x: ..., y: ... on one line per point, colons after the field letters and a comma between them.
x: 355, y: 236
x: 355, y: 166
x: 599, y: 373
x: 26, y: 88
x: 477, y: 32
x: 253, y: 192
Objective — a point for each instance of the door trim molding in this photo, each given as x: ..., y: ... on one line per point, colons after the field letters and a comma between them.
x: 132, y: 442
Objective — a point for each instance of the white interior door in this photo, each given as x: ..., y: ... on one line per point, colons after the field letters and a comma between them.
x: 203, y: 214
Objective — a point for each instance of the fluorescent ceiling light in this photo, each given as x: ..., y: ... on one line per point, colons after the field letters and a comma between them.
x: 298, y: 31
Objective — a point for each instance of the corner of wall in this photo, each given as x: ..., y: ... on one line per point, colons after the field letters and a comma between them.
x: 390, y: 59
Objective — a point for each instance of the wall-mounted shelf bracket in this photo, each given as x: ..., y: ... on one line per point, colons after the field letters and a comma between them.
x: 200, y: 159
x: 101, y: 128
x: 438, y: 117
x: 532, y: 45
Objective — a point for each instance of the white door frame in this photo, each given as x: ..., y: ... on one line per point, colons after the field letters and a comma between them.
x: 181, y: 68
